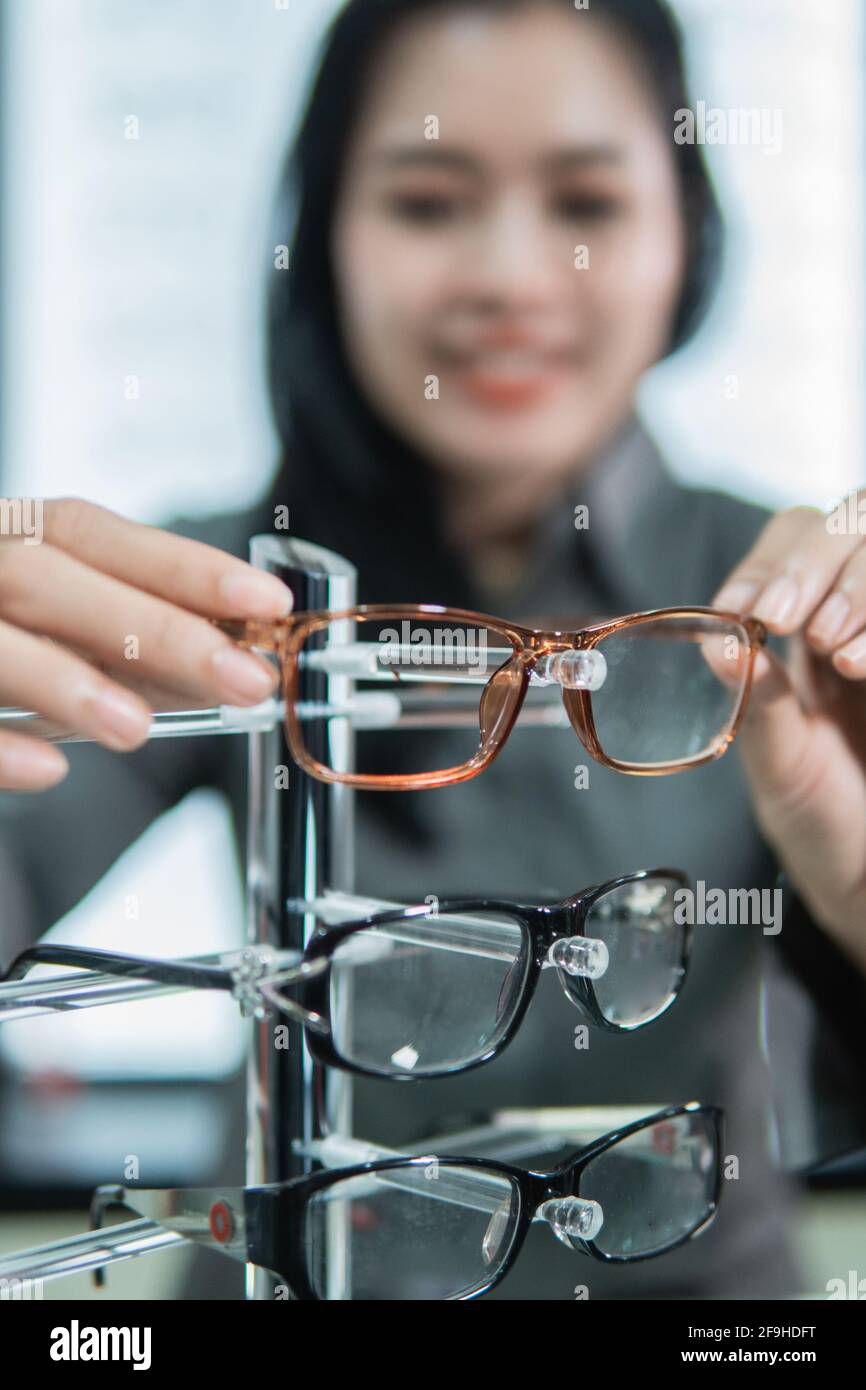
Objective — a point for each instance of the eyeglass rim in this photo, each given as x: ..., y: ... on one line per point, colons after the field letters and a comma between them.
x: 286, y: 637
x: 715, y: 1116
x: 585, y: 988
x: 540, y: 924
x: 268, y: 630
x: 579, y: 705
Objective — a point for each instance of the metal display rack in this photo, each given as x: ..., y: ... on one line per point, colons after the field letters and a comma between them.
x: 301, y: 840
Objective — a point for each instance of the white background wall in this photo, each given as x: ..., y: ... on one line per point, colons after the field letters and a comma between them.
x: 143, y: 257
x: 792, y: 328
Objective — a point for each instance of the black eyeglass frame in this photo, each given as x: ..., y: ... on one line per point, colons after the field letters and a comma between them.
x: 542, y: 925
x: 275, y: 1212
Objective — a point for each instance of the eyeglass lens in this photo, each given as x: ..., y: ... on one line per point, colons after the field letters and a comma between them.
x: 427, y: 1232
x: 655, y: 1186
x: 424, y: 995
x: 433, y: 676
x: 636, y: 922
x: 671, y: 690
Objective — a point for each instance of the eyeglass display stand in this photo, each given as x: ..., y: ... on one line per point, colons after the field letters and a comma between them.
x: 300, y: 842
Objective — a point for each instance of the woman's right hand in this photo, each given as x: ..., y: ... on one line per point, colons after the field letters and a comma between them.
x: 103, y: 619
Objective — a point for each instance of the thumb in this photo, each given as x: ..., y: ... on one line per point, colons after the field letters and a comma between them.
x: 774, y: 738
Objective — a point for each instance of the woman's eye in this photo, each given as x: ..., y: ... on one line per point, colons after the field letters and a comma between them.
x: 423, y: 208
x: 586, y: 207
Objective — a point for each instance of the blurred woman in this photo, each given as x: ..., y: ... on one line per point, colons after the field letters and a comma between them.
x: 493, y: 237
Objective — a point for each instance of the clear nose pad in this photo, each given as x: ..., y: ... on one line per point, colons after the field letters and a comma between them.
x: 497, y: 1230
x: 580, y: 955
x: 573, y: 670
x: 510, y: 990
x: 496, y: 707
x: 572, y: 1218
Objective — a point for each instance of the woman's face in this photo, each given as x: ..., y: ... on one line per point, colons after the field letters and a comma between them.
x: 472, y: 320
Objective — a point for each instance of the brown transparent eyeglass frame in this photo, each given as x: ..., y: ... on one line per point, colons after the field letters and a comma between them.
x: 505, y: 691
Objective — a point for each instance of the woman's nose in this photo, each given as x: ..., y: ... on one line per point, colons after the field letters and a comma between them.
x: 510, y: 258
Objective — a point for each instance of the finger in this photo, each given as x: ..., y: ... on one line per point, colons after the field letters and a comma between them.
x: 806, y: 786
x: 790, y: 570
x: 747, y: 580
x: 43, y: 676
x: 159, y: 697
x: 838, y: 625
x: 186, y: 572
x: 53, y: 593
x: 29, y: 765
x: 774, y: 735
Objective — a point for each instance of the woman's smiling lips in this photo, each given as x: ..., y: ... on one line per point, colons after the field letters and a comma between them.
x: 508, y: 371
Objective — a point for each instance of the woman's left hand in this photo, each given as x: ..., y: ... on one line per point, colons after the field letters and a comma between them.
x: 803, y: 740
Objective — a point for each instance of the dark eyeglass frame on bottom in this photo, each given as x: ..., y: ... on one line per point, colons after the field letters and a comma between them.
x: 263, y: 1225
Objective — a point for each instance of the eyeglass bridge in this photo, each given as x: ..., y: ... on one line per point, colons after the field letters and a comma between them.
x: 580, y: 955
x: 572, y: 1218
x: 572, y: 669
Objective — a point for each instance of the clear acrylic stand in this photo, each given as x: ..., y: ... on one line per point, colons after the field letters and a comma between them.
x: 301, y: 840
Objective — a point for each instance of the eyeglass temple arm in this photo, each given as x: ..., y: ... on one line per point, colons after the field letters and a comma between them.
x: 186, y: 974
x: 210, y: 1216
x: 516, y: 1133
x: 250, y: 976
x: 108, y: 1195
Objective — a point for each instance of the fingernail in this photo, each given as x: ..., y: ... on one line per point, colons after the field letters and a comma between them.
x: 255, y: 594
x: 736, y: 597
x: 852, y: 655
x: 830, y: 618
x: 121, y: 722
x: 242, y: 676
x: 36, y: 765
x: 778, y: 601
